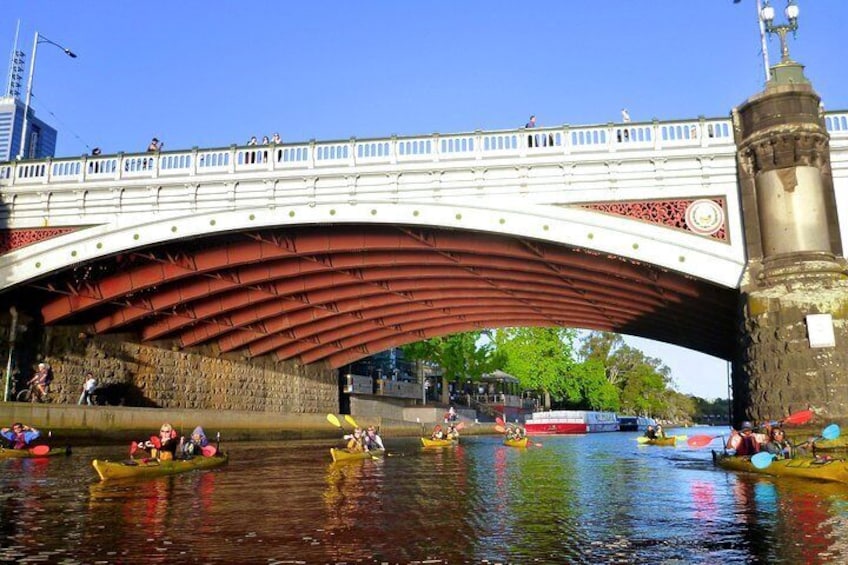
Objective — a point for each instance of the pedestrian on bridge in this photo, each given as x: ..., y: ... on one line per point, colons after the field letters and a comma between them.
x: 532, y: 140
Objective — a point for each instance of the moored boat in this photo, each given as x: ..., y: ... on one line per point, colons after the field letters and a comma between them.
x: 427, y: 442
x: 145, y: 468
x: 635, y: 423
x: 516, y: 442
x: 571, y: 422
x: 26, y: 453
x: 835, y: 470
x: 347, y: 455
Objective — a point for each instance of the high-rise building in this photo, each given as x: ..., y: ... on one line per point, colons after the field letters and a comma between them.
x: 40, y: 138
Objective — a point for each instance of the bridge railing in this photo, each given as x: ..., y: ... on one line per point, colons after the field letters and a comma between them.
x: 434, y: 148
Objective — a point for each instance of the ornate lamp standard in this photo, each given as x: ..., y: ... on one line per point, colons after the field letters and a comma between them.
x: 38, y: 39
x: 791, y: 12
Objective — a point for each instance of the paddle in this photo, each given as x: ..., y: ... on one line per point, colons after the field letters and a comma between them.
x: 797, y: 418
x: 500, y: 429
x: 500, y: 421
x: 209, y: 450
x: 335, y: 421
x: 830, y: 432
x: 349, y: 419
x: 763, y: 459
x: 40, y: 450
x: 701, y: 441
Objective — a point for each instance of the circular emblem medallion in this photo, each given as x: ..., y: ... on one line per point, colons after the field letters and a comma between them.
x: 704, y: 217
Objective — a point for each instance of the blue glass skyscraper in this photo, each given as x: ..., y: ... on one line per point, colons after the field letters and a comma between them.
x: 40, y: 138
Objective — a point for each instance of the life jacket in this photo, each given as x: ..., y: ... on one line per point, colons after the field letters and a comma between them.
x: 748, y: 445
x: 20, y: 441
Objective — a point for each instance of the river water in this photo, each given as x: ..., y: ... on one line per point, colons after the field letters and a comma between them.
x: 599, y: 498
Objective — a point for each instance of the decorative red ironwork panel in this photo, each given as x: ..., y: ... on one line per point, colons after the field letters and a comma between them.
x: 669, y: 213
x: 15, y: 239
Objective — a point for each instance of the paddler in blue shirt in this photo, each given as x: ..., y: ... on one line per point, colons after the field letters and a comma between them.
x: 20, y: 436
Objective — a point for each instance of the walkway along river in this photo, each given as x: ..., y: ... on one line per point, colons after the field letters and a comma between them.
x: 599, y: 498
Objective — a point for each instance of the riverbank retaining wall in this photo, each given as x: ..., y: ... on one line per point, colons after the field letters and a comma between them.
x: 159, y: 375
x: 82, y: 425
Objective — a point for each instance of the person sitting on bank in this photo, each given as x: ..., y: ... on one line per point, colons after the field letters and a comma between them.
x: 373, y: 440
x: 195, y: 443
x: 743, y: 442
x: 438, y: 433
x: 452, y: 416
x: 650, y: 433
x: 355, y: 441
x: 19, y: 436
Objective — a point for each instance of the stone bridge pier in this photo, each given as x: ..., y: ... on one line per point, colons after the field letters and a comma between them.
x: 793, y: 323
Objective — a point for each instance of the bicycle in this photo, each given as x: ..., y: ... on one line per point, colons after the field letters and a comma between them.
x: 31, y: 394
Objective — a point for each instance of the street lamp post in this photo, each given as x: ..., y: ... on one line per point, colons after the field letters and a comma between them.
x: 791, y: 12
x: 38, y: 39
x: 13, y: 328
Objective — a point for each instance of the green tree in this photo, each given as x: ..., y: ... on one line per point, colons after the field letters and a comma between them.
x: 542, y: 360
x: 461, y: 356
x: 598, y: 393
x: 680, y: 407
x: 643, y: 382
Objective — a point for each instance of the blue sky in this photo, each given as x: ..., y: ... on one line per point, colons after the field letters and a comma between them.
x: 213, y: 73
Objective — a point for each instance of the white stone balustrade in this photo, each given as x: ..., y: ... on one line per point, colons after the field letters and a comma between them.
x: 433, y: 148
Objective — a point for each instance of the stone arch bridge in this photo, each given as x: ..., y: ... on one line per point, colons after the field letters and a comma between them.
x: 332, y: 251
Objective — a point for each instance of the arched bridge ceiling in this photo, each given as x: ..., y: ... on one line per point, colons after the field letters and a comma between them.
x: 340, y: 293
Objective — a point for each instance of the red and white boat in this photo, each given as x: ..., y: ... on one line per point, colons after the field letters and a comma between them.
x: 571, y: 422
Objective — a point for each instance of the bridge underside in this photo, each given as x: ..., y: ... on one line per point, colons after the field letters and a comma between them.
x: 339, y: 293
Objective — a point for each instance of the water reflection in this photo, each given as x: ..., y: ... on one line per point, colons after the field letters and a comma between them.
x: 589, y: 499
x: 23, y: 515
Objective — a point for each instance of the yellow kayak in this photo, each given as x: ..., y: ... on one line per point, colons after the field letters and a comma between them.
x: 516, y: 442
x: 803, y: 467
x: 438, y: 442
x: 671, y: 440
x: 25, y: 453
x: 346, y: 455
x: 154, y: 468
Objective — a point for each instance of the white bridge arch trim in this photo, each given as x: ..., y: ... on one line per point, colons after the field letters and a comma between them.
x: 700, y: 257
